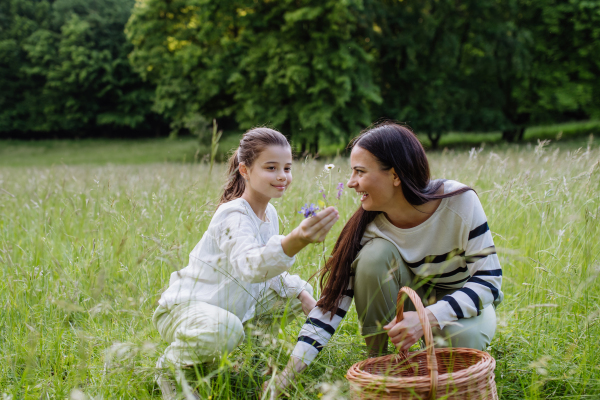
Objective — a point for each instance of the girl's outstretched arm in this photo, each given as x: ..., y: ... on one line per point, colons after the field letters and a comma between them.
x: 311, y: 230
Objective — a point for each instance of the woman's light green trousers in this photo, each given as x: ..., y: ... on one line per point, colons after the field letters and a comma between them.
x: 380, y: 272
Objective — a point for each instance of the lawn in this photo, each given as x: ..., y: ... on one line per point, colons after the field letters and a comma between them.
x: 85, y: 251
x: 18, y: 153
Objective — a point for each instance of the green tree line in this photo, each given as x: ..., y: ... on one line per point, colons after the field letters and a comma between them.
x: 317, y: 70
x: 64, y: 69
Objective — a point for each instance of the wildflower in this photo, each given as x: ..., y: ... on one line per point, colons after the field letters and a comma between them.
x: 309, y: 211
x: 329, y: 167
x: 340, y: 189
x: 323, y: 194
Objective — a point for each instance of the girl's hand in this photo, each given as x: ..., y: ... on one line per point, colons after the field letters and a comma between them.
x: 314, y: 229
x: 408, y: 331
x: 308, y: 302
x: 311, y: 230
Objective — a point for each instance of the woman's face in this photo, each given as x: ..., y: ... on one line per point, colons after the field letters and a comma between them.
x: 376, y: 187
x: 271, y: 172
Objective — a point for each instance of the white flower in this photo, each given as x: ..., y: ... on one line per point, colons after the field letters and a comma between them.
x: 329, y: 167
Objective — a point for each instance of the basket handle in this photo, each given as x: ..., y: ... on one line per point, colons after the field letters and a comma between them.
x: 432, y: 365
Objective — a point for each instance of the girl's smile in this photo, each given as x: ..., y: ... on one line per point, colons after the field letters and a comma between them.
x: 268, y: 177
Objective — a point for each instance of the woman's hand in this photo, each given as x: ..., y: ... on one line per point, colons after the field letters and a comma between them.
x: 277, y: 385
x: 311, y: 230
x: 308, y: 302
x: 408, y: 331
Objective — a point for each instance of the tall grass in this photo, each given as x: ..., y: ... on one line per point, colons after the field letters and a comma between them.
x: 86, y: 251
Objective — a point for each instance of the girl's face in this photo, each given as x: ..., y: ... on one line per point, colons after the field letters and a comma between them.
x: 377, y: 188
x: 271, y: 172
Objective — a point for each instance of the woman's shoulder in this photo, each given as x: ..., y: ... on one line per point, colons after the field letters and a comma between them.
x: 451, y: 185
x: 462, y: 203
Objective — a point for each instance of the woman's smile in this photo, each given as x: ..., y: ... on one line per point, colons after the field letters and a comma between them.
x: 363, y: 195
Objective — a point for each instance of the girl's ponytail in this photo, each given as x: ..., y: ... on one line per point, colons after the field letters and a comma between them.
x: 234, y: 186
x: 252, y: 144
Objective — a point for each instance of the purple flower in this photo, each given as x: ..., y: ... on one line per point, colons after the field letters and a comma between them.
x: 309, y: 211
x: 340, y: 189
x: 323, y: 194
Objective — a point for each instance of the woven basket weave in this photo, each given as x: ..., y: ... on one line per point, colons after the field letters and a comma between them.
x: 457, y: 373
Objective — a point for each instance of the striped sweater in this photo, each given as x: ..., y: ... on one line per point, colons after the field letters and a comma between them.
x: 453, y: 250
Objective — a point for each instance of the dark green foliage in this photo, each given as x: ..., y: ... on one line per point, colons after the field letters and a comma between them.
x: 448, y: 65
x: 64, y: 67
x: 433, y: 63
x: 323, y: 70
x: 318, y: 70
x: 295, y: 65
x: 546, y: 61
x: 565, y: 73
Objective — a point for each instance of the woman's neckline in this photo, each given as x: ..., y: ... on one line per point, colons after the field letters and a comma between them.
x: 433, y: 216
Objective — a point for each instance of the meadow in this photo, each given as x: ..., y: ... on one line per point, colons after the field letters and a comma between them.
x: 85, y: 251
x: 186, y: 149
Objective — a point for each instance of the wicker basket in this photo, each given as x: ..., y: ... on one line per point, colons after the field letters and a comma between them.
x: 457, y: 373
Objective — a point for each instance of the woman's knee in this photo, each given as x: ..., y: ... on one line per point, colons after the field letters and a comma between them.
x: 379, y: 258
x: 473, y: 333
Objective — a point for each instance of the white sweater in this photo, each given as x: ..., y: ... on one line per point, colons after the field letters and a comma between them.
x: 238, y: 258
x: 453, y: 249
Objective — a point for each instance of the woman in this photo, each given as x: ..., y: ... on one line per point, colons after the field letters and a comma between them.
x: 431, y: 235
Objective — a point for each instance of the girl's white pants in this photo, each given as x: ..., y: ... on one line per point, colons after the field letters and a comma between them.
x: 199, y: 332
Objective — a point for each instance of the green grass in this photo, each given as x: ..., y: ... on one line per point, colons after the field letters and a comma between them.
x: 102, y: 152
x: 571, y: 133
x: 85, y: 252
x: 567, y: 132
x: 19, y: 153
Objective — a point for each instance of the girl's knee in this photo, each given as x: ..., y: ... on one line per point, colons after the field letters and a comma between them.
x: 230, y: 331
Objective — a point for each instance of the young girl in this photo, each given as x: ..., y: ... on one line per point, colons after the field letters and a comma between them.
x: 237, y: 271
x: 431, y: 235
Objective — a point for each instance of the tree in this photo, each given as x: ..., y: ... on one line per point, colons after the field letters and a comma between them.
x: 433, y: 64
x: 64, y: 67
x: 547, y: 62
x: 565, y: 52
x: 291, y: 64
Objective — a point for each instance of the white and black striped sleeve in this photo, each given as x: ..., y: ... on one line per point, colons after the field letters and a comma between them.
x: 319, y: 328
x: 485, y: 281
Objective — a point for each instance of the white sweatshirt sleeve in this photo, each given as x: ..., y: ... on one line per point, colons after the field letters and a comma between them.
x: 484, y: 285
x: 249, y: 259
x: 289, y: 286
x: 320, y: 327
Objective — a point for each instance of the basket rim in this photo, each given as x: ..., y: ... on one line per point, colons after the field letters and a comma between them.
x: 484, y: 358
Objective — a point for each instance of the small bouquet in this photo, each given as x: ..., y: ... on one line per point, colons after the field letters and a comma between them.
x: 310, y: 210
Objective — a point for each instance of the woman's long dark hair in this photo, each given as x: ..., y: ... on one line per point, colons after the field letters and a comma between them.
x: 252, y: 144
x: 394, y: 146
